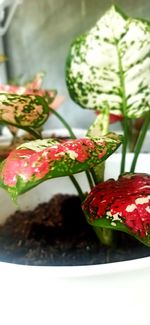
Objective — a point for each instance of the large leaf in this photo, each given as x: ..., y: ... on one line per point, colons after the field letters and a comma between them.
x: 36, y: 161
x: 110, y: 66
x: 122, y: 205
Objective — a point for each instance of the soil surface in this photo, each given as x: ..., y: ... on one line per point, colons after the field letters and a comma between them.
x: 56, y: 233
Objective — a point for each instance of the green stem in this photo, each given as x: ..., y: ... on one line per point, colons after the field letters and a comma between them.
x: 94, y: 176
x: 99, y: 172
x: 66, y: 125
x: 90, y: 180
x: 124, y: 146
x: 36, y: 134
x: 124, y: 110
x: 140, y: 141
x: 105, y: 235
x: 100, y: 128
x: 78, y: 188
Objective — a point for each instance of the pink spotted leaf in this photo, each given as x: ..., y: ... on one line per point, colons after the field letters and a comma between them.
x: 39, y: 160
x: 23, y: 111
x: 27, y: 106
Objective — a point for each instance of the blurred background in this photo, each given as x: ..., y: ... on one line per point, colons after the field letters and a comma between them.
x: 38, y: 39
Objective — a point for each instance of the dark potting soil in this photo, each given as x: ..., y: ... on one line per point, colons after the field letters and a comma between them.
x: 56, y: 233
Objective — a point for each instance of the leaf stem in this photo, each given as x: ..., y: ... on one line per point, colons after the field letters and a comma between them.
x: 94, y: 176
x: 124, y: 110
x: 124, y: 146
x: 105, y: 235
x: 140, y: 141
x: 66, y: 125
x: 90, y: 180
x: 77, y: 186
x: 36, y: 134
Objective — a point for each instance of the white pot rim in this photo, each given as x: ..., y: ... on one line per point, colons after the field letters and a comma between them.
x: 81, y: 271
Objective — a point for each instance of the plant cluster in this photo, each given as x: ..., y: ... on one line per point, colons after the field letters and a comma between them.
x: 107, y: 70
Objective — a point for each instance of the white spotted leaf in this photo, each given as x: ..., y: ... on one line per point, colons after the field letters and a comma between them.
x: 110, y: 66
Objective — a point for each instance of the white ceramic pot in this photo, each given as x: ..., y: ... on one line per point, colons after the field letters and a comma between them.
x: 116, y: 293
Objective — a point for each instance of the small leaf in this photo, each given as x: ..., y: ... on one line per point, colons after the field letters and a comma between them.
x: 39, y: 160
x: 110, y: 65
x: 27, y: 107
x: 122, y: 205
x: 23, y: 111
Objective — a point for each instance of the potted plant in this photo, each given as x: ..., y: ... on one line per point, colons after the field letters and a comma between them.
x: 102, y: 74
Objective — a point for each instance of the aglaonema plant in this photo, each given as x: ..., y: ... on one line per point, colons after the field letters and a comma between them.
x: 108, y: 70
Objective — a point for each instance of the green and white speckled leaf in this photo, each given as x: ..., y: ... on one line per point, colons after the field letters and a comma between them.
x: 39, y: 160
x: 110, y: 65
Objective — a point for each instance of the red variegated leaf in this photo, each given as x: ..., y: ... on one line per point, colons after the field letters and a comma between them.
x: 122, y: 205
x: 36, y: 161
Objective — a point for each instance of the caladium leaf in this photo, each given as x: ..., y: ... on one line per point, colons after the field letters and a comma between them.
x: 122, y: 205
x: 23, y: 111
x: 39, y: 160
x: 26, y: 107
x: 110, y: 66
